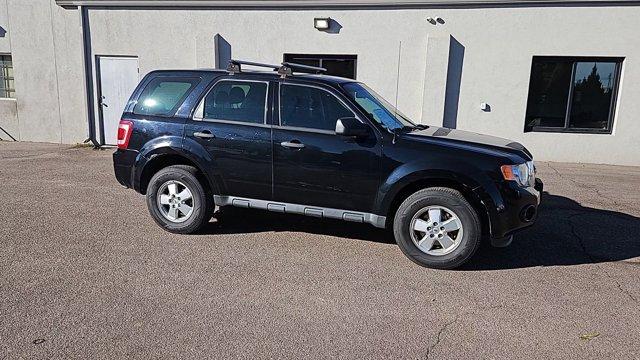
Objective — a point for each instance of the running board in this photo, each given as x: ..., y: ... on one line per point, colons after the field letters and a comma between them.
x: 315, y: 211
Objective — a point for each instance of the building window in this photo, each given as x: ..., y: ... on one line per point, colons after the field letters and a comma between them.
x: 336, y: 65
x: 7, y: 89
x: 572, y: 94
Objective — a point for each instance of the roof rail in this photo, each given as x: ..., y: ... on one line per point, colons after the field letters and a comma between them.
x: 235, y: 66
x: 288, y: 68
x: 284, y: 70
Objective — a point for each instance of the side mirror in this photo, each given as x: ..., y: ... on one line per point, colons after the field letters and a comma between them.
x: 351, y: 127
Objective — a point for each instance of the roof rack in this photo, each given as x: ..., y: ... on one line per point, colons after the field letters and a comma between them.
x: 284, y: 70
x: 289, y: 68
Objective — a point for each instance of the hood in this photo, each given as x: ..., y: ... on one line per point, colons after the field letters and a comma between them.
x: 471, y: 138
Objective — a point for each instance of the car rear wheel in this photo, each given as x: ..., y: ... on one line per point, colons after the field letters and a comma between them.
x: 437, y: 228
x: 177, y: 201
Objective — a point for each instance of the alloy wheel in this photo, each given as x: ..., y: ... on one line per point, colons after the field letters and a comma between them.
x: 436, y: 230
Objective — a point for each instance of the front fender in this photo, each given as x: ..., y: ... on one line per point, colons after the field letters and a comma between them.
x: 465, y: 173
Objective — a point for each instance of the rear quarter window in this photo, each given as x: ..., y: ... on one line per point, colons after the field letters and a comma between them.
x: 163, y: 95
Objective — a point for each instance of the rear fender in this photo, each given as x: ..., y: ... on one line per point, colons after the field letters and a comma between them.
x: 158, y: 148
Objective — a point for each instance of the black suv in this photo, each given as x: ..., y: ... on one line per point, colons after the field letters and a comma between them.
x: 320, y: 146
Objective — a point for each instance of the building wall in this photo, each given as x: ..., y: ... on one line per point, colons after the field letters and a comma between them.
x: 8, y: 107
x: 497, y: 43
x: 498, y: 46
x: 44, y: 41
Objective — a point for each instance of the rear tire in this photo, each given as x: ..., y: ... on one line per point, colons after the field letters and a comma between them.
x: 437, y: 228
x: 178, y: 201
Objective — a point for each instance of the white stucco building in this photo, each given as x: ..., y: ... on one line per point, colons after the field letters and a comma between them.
x: 562, y: 77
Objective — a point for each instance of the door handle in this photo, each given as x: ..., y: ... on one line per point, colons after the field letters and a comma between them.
x: 206, y: 134
x: 294, y: 144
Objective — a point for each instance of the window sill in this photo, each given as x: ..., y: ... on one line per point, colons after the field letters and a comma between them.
x: 570, y: 131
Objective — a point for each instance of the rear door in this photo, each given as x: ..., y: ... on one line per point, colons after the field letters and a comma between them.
x: 231, y: 123
x: 313, y: 165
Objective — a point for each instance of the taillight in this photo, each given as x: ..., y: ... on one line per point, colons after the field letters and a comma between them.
x: 125, y: 128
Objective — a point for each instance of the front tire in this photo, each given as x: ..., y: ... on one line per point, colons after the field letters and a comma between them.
x: 177, y: 201
x: 437, y: 228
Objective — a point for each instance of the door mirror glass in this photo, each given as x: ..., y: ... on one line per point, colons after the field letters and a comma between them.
x: 350, y: 126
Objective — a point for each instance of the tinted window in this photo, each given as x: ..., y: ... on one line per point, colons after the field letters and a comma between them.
x: 309, y: 107
x: 237, y: 101
x: 572, y: 94
x: 376, y: 107
x: 592, y: 92
x: 548, y: 93
x: 163, y: 96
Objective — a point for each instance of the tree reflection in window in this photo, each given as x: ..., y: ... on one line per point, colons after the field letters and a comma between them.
x: 572, y: 94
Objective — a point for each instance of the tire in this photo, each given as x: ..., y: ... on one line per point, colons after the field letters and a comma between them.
x: 177, y: 220
x: 420, y: 240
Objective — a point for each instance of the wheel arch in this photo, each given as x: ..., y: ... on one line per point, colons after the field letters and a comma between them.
x: 417, y: 182
x: 158, y: 158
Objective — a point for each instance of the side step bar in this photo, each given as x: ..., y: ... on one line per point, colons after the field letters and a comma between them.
x: 315, y: 211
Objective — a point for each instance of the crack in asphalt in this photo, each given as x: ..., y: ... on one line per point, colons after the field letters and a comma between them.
x: 595, y: 189
x: 621, y: 288
x: 580, y: 240
x: 595, y: 259
x: 439, y: 335
x: 455, y: 320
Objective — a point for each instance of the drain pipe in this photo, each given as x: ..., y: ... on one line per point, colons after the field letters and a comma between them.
x: 88, y: 74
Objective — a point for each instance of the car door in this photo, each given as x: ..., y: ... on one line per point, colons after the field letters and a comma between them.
x: 313, y: 165
x: 231, y: 123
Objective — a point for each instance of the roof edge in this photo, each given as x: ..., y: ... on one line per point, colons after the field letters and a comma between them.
x: 333, y: 4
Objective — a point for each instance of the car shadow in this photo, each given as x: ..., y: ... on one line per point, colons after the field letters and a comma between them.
x: 231, y: 220
x: 565, y: 233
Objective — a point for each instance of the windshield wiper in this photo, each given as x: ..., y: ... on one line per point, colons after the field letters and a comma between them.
x: 415, y: 127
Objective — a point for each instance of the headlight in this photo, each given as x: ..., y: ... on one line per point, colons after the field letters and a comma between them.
x: 522, y: 174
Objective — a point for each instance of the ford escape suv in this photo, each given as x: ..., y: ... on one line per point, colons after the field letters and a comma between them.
x: 295, y: 141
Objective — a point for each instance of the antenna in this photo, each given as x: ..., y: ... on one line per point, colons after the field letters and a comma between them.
x: 395, y: 107
x: 395, y: 110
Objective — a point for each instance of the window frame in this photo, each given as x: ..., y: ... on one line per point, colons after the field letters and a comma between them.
x: 198, y: 115
x: 8, y: 92
x: 174, y: 110
x: 290, y: 57
x: 574, y: 60
x: 305, y: 129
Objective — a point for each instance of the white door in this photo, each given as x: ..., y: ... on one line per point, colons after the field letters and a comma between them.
x: 118, y: 79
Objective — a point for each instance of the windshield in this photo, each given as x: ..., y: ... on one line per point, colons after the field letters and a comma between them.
x: 376, y: 107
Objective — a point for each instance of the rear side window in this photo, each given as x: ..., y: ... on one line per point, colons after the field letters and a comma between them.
x: 242, y: 101
x: 310, y: 107
x: 163, y: 95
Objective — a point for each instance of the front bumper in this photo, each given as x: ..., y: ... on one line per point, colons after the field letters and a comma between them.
x: 519, y: 209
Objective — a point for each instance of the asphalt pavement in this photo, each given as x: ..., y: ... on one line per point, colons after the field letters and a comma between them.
x: 85, y: 273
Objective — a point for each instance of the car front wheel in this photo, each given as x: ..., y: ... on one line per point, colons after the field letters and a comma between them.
x: 437, y: 228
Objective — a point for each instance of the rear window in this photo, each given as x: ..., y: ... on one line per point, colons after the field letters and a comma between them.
x: 163, y: 95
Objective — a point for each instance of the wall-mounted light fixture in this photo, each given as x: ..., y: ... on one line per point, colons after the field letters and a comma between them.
x: 322, y: 23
